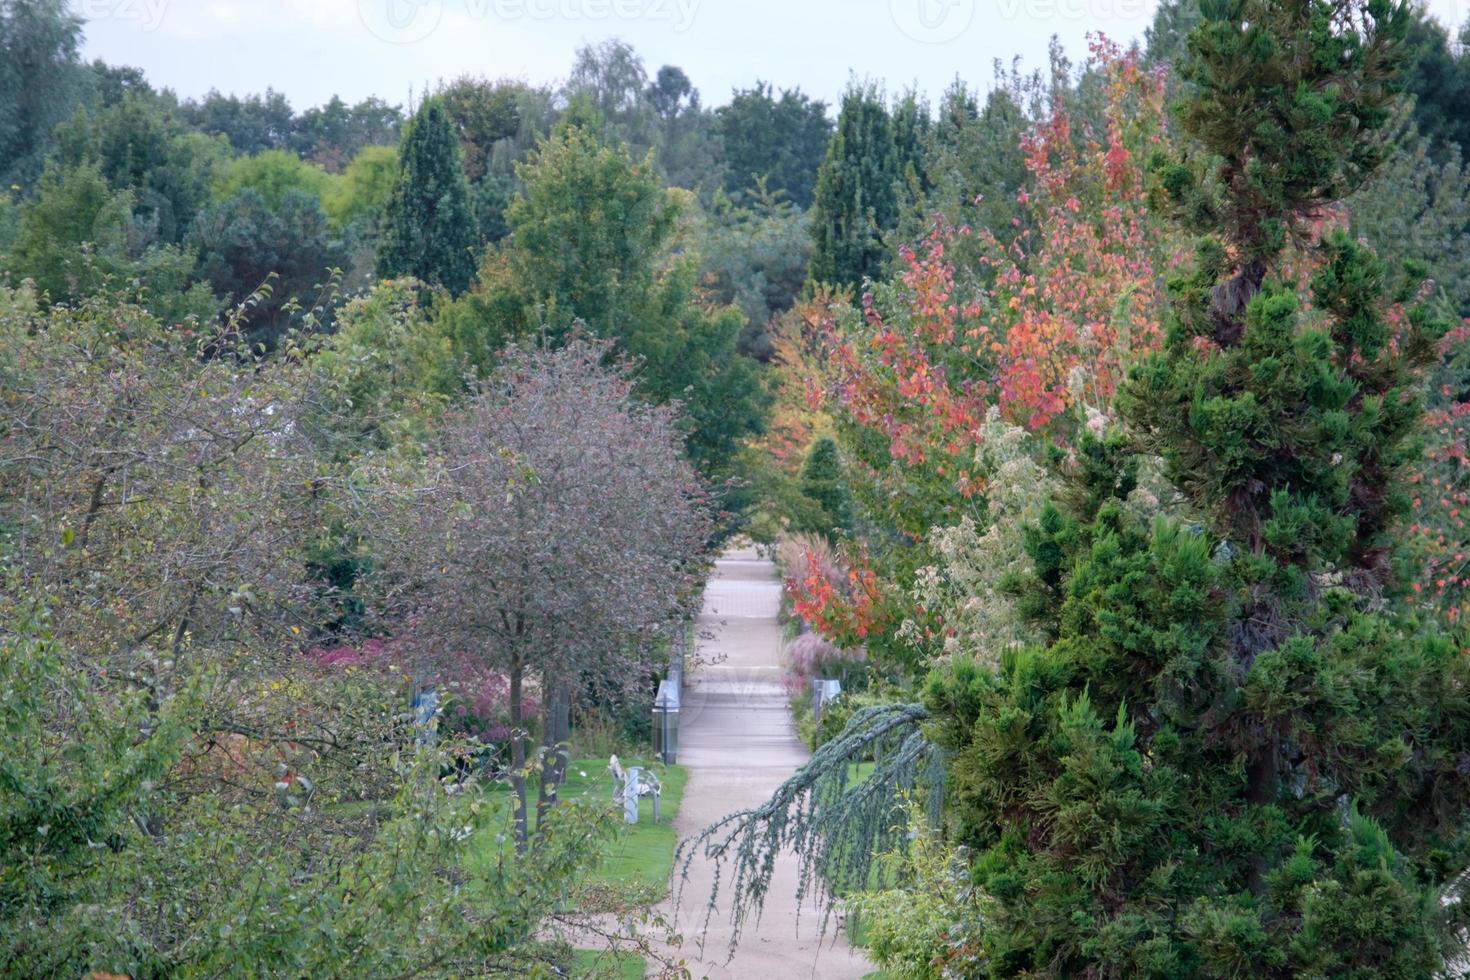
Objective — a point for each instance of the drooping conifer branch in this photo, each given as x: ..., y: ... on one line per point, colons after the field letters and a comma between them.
x: 829, y: 817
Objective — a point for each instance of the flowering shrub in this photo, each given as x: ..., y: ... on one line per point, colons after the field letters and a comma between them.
x: 962, y: 590
x: 476, y: 698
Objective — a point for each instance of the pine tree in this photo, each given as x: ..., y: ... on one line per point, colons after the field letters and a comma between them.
x: 857, y: 192
x: 1241, y: 753
x: 429, y: 227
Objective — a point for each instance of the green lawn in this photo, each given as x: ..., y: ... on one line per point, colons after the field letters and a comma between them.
x: 642, y: 854
x: 608, y: 966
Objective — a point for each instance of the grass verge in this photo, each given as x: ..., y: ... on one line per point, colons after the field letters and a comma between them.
x: 641, y: 856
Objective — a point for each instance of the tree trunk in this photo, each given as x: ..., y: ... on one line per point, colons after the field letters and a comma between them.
x: 556, y: 730
x: 518, y: 753
x: 1261, y: 777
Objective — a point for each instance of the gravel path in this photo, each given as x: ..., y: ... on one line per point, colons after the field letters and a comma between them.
x: 738, y: 743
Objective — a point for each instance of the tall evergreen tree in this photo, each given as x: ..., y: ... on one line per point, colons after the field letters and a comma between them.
x: 857, y: 191
x: 1240, y: 753
x: 779, y: 140
x: 429, y: 228
x: 823, y: 487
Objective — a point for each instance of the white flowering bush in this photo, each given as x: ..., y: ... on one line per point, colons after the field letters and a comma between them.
x: 963, y: 588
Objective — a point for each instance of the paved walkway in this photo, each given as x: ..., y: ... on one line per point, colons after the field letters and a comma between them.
x: 737, y: 740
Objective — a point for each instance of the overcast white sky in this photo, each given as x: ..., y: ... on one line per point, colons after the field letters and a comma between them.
x: 312, y: 49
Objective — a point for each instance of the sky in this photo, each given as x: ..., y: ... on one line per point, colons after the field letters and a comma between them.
x: 313, y: 49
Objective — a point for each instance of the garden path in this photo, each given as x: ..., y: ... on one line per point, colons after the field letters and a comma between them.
x: 738, y: 743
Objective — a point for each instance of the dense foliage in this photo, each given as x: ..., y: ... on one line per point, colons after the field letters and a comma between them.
x: 429, y: 229
x: 1114, y: 458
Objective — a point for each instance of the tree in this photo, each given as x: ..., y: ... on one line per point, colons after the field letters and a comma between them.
x: 1417, y: 208
x: 552, y: 535
x: 1220, y: 757
x: 688, y: 153
x: 484, y: 113
x: 1173, y: 22
x: 364, y: 190
x: 73, y: 237
x: 1438, y: 76
x: 587, y: 230
x: 974, y: 167
x: 335, y: 133
x: 139, y: 146
x: 244, y: 245
x: 273, y: 176
x: 822, y: 484
x: 77, y: 239
x: 857, y: 193
x: 254, y: 124
x: 185, y: 792
x: 429, y: 229
x: 754, y: 256
x: 778, y: 140
x: 591, y: 242
x: 41, y: 82
x: 611, y: 80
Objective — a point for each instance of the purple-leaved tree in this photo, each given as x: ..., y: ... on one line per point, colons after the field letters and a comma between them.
x: 553, y: 531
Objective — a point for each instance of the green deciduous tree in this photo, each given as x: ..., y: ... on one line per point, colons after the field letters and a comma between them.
x: 139, y: 146
x: 591, y: 242
x: 364, y: 190
x: 335, y: 133
x: 77, y: 238
x: 253, y: 124
x: 429, y: 229
x: 273, y: 175
x: 41, y: 82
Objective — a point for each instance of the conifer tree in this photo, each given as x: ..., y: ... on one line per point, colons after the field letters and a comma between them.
x: 857, y: 192
x: 1241, y: 753
x: 429, y: 229
x: 823, y: 488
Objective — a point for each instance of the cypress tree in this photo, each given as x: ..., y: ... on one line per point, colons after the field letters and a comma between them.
x: 1241, y: 752
x: 857, y: 192
x: 429, y: 229
x: 823, y: 487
